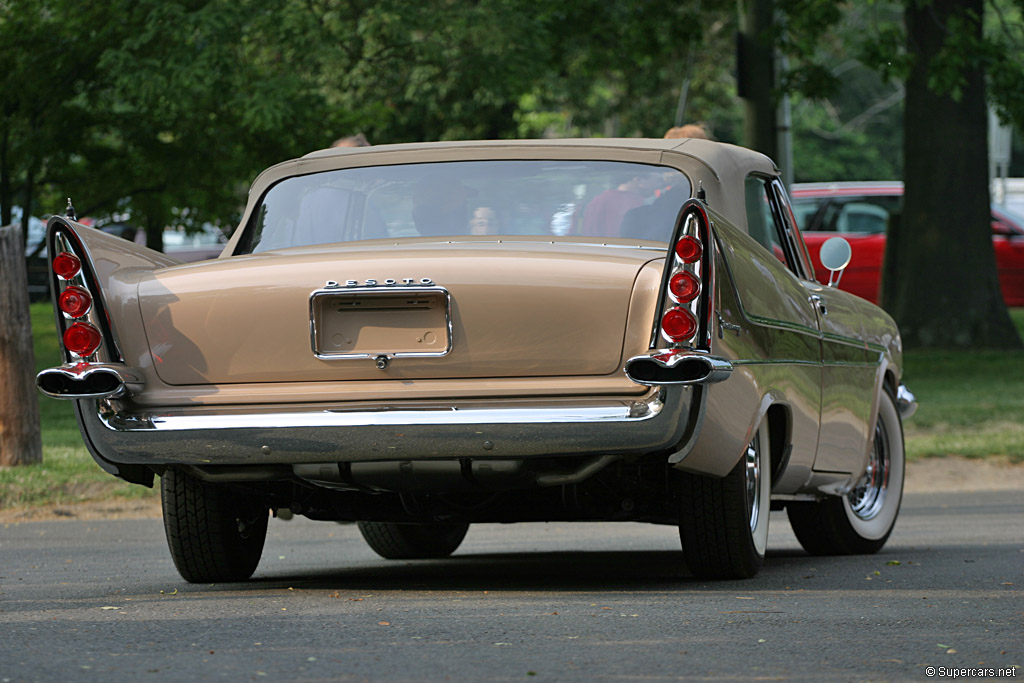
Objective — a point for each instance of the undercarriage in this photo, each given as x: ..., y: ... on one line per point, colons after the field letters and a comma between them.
x: 604, y: 488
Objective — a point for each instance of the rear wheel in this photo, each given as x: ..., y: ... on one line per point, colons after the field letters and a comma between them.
x: 859, y: 522
x: 413, y: 541
x: 214, y: 534
x: 723, y: 523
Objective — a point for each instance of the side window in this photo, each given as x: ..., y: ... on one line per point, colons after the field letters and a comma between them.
x: 807, y: 212
x: 867, y: 215
x: 764, y: 220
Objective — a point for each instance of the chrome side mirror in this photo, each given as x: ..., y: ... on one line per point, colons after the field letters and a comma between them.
x: 835, y: 255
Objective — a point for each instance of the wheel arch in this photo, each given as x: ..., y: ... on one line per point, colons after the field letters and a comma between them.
x: 780, y: 430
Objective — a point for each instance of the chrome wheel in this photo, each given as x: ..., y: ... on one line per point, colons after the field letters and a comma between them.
x: 752, y: 459
x: 868, y: 497
x: 862, y: 520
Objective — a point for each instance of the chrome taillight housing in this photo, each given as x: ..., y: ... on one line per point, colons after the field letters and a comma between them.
x: 81, y: 318
x: 686, y: 278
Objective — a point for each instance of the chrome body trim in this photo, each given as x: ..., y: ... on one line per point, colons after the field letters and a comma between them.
x: 89, y: 380
x: 374, y: 417
x: 264, y: 435
x: 906, y: 403
x: 672, y: 366
x: 334, y: 290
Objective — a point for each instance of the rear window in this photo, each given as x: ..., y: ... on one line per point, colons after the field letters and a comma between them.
x: 475, y: 199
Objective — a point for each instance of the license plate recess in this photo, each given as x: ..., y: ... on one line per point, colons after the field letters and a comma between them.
x: 368, y: 323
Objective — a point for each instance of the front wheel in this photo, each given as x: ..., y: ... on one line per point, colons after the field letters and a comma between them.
x: 394, y: 541
x: 723, y: 523
x: 214, y: 534
x: 860, y: 522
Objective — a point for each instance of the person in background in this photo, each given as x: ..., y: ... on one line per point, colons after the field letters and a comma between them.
x: 439, y: 206
x: 655, y: 220
x: 603, y: 216
x: 357, y: 140
x: 690, y: 130
x: 484, y: 221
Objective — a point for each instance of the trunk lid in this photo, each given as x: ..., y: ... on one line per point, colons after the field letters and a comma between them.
x: 515, y: 309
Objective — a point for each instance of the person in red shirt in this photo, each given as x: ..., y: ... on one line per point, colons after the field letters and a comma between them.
x: 603, y: 216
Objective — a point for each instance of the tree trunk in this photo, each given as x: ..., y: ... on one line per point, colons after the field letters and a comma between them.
x: 20, y: 442
x: 28, y: 197
x: 153, y: 222
x: 6, y: 198
x: 945, y: 292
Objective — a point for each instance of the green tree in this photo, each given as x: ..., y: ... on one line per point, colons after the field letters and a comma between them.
x: 946, y: 293
x: 47, y: 78
x: 625, y: 69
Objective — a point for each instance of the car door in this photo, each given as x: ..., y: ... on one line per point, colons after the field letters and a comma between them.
x: 849, y: 366
x: 1008, y: 242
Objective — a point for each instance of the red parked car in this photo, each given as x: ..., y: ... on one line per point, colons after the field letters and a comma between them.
x: 860, y: 213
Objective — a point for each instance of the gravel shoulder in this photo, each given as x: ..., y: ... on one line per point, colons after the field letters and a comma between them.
x: 930, y: 475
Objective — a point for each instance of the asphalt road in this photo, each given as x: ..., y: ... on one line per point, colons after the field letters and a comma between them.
x: 101, y: 601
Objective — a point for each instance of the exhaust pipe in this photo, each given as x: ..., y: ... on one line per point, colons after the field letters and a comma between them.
x: 677, y: 367
x: 85, y: 380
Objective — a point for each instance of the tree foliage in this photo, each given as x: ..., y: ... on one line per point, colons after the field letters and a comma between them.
x: 167, y: 112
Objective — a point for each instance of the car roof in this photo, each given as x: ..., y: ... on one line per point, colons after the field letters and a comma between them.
x: 694, y: 146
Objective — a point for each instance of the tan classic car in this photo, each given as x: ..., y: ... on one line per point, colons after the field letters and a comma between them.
x: 419, y: 337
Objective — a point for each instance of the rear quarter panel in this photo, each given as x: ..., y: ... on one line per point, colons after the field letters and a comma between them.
x: 769, y: 334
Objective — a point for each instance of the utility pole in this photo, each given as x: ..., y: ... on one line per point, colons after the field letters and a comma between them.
x: 766, y: 122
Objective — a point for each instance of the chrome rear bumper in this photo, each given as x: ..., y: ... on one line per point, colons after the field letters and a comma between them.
x: 265, y: 435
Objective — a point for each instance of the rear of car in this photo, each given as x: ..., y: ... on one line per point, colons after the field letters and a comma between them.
x: 421, y: 337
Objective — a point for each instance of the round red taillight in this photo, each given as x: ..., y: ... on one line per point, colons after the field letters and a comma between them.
x: 66, y: 265
x: 689, y: 250
x: 82, y: 338
x: 684, y: 287
x: 678, y: 324
x: 74, y: 301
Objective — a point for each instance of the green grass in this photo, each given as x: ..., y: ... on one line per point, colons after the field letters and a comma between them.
x: 971, y: 404
x: 68, y: 473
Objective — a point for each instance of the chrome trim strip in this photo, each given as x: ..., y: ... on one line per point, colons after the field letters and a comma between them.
x: 608, y: 245
x: 906, y: 403
x: 620, y: 411
x: 375, y: 290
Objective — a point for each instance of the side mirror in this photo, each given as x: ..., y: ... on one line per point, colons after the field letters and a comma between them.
x: 835, y: 255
